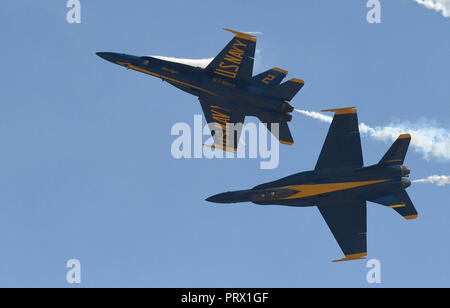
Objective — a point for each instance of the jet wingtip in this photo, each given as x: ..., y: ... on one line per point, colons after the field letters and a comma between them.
x: 287, y: 142
x: 411, y: 217
x: 353, y: 257
x: 242, y: 35
x: 345, y: 110
x: 404, y: 136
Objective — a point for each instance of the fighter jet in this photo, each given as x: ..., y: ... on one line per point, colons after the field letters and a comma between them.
x: 340, y: 186
x: 226, y: 89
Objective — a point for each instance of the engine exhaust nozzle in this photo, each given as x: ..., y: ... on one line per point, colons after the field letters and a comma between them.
x: 405, y: 170
x: 405, y: 183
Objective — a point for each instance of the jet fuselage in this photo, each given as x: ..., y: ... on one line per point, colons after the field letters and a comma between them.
x: 193, y: 80
x: 308, y: 188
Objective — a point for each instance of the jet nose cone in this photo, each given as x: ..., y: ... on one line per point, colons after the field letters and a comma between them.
x: 219, y: 198
x: 231, y: 197
x: 227, y: 197
x: 211, y: 199
x: 108, y: 56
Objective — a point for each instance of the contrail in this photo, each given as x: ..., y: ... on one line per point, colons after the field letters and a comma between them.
x: 427, y: 139
x: 202, y: 63
x: 316, y: 115
x: 439, y: 180
x: 254, y: 33
x: 437, y: 5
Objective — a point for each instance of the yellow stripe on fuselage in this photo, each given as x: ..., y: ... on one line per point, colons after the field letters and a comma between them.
x: 142, y: 70
x: 318, y: 189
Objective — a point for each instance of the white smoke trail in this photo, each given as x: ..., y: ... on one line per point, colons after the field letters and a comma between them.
x: 427, y: 139
x: 437, y: 5
x: 439, y: 180
x: 254, y: 33
x: 202, y: 63
x: 316, y: 115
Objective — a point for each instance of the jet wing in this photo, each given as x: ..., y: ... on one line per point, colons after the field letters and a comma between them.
x: 225, y: 124
x: 348, y: 223
x: 235, y: 62
x: 342, y: 147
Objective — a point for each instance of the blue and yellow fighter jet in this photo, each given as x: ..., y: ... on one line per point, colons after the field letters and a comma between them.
x: 226, y: 89
x: 340, y: 186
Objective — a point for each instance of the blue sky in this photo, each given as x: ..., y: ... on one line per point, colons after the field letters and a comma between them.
x: 86, y: 168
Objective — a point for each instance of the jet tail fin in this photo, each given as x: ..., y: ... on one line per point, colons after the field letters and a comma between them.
x: 287, y: 90
x: 397, y: 152
x: 400, y: 202
x: 269, y: 78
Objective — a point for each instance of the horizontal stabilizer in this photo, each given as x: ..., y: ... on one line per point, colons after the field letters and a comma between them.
x: 397, y: 152
x: 287, y: 90
x: 284, y: 133
x: 269, y: 79
x: 400, y: 202
x: 357, y: 256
